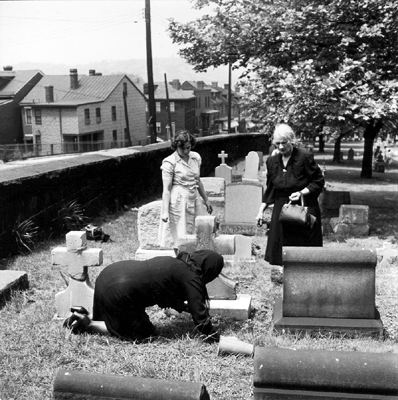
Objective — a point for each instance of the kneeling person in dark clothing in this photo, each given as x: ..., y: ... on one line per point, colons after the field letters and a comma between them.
x: 124, y: 289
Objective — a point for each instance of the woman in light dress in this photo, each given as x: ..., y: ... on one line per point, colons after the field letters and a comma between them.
x: 183, y: 191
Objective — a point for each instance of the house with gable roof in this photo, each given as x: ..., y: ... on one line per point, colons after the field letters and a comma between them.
x: 84, y: 113
x: 14, y: 86
x: 173, y: 105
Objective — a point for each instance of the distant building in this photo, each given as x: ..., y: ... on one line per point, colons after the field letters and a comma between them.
x: 14, y: 86
x: 180, y: 103
x: 205, y: 114
x: 76, y: 112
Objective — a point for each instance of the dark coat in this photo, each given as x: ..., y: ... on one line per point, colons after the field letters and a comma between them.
x: 301, y: 172
x: 124, y: 289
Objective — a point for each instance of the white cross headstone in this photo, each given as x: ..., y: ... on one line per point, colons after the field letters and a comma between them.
x: 223, y: 170
x: 223, y: 156
x: 77, y: 258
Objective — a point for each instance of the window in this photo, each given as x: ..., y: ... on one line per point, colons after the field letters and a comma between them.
x: 87, y: 116
x: 28, y: 115
x: 172, y: 106
x: 98, y: 115
x: 114, y: 136
x: 113, y: 113
x: 158, y: 127
x: 38, y: 116
x: 125, y: 88
x: 199, y: 103
x: 157, y: 106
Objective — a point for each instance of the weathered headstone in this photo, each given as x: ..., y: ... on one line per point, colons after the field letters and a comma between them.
x: 352, y: 221
x: 76, y: 385
x: 328, y: 290
x: 77, y: 258
x: 350, y: 154
x: 281, y: 373
x: 233, y: 248
x: 215, y: 190
x: 251, y: 166
x: 242, y: 201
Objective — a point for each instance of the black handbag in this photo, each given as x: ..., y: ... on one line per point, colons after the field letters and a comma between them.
x: 297, y: 215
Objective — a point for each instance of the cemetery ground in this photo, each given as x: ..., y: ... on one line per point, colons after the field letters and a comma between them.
x: 34, y: 346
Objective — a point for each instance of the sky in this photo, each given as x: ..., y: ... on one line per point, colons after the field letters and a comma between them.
x: 87, y: 31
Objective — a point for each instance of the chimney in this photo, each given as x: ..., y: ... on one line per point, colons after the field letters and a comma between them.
x: 98, y: 74
x: 49, y: 94
x: 226, y: 86
x: 74, y: 81
x: 176, y: 84
x: 145, y: 88
x: 201, y: 85
x: 7, y: 68
x: 91, y: 72
x: 214, y: 84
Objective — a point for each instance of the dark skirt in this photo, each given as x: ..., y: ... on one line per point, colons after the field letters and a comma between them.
x: 280, y: 235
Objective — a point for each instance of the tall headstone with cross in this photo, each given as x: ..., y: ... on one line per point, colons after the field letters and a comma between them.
x: 77, y: 258
x: 223, y: 170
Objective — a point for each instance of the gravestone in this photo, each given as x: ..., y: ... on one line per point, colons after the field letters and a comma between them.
x: 298, y: 374
x: 78, y: 385
x: 233, y: 248
x: 328, y: 290
x: 251, y: 167
x: 242, y: 202
x: 352, y: 221
x: 11, y: 281
x: 77, y: 258
x: 215, y: 190
x: 223, y: 170
x: 331, y: 201
x: 350, y: 154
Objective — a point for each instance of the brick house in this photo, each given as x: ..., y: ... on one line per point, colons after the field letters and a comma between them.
x: 205, y: 114
x: 72, y: 114
x: 182, y: 108
x: 14, y: 86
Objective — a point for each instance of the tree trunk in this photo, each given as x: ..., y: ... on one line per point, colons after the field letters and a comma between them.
x: 372, y: 129
x: 337, y: 150
x: 321, y: 143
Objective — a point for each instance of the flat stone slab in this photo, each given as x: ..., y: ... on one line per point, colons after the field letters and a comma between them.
x: 339, y: 326
x: 238, y: 309
x: 11, y: 281
x: 143, y: 254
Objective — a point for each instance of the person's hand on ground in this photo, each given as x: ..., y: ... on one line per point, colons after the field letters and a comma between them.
x: 77, y: 323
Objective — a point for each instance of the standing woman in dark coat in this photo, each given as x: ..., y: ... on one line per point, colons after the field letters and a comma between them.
x: 124, y: 289
x: 291, y: 173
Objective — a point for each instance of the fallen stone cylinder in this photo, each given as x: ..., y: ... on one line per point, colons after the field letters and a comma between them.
x: 73, y: 385
x: 301, y: 374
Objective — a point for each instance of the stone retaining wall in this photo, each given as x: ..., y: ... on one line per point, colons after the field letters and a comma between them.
x: 101, y: 181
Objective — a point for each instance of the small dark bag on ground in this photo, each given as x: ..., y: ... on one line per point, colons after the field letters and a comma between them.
x: 296, y: 215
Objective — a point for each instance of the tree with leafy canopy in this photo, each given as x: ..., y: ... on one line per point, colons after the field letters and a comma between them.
x: 314, y: 64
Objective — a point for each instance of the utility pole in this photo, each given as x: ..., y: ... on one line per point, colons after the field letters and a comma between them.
x: 168, y: 108
x: 229, y: 94
x: 151, y: 94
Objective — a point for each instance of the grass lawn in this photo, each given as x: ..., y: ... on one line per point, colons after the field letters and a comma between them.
x: 34, y: 346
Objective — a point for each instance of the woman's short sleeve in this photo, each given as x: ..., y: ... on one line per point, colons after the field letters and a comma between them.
x: 167, y: 168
